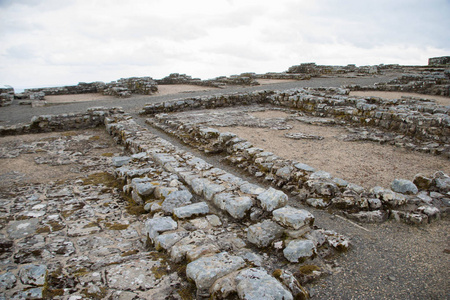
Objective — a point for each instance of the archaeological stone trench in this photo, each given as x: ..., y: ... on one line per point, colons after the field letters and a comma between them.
x: 157, y: 221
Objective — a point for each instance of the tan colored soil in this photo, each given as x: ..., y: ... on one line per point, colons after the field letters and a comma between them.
x: 441, y: 100
x: 273, y: 81
x: 364, y: 163
x: 44, y: 173
x: 167, y: 89
x: 76, y: 98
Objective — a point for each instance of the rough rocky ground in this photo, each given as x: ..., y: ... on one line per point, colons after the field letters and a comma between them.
x: 387, y: 261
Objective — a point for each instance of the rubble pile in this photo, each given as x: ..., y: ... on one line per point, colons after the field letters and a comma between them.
x: 125, y: 87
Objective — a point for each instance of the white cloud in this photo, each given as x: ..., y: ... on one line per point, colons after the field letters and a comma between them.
x: 53, y: 42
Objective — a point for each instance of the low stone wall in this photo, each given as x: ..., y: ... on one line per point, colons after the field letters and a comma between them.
x: 442, y: 60
x: 176, y: 78
x: 80, y: 88
x: 213, y: 101
x: 420, y: 119
x: 429, y: 83
x: 94, y: 117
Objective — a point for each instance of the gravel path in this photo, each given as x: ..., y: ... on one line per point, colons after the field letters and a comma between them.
x: 15, y: 113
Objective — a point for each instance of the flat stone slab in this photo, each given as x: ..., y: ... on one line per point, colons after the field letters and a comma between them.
x: 293, y: 217
x: 262, y: 234
x: 205, y: 270
x: 256, y: 284
x: 20, y: 229
x: 196, y: 209
x: 176, y: 199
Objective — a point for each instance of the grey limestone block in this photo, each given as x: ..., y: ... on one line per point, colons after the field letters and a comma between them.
x: 256, y: 284
x: 196, y: 209
x: 262, y: 234
x: 206, y: 270
x: 299, y: 249
x: 293, y: 217
x: 272, y: 199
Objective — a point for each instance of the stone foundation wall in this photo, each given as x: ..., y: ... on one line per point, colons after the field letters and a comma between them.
x: 94, y: 117
x: 429, y: 83
x: 423, y: 120
x: 443, y: 60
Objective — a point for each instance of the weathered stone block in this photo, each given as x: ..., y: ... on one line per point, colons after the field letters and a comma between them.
x: 256, y: 284
x: 404, y: 186
x: 237, y: 207
x: 155, y: 226
x: 264, y: 233
x: 293, y: 217
x: 176, y: 199
x: 298, y: 250
x: 206, y: 270
x: 196, y: 209
x: 272, y: 199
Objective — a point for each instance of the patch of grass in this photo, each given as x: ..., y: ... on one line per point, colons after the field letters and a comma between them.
x: 103, y: 178
x: 43, y: 229
x: 128, y: 253
x: 90, y: 225
x: 69, y: 133
x: 308, y: 269
x: 116, y: 226
x: 108, y: 154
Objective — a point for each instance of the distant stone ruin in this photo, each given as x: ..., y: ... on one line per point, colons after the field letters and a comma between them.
x: 436, y: 61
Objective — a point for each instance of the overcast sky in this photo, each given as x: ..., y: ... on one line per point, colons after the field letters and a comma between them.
x: 60, y: 42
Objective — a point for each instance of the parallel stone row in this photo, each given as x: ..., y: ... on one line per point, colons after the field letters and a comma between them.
x: 215, y: 268
x: 421, y: 119
x: 318, y: 188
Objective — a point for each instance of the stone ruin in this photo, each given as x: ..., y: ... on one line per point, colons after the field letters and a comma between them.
x: 443, y: 60
x: 166, y: 216
x: 149, y: 220
x: 436, y: 82
x: 244, y: 79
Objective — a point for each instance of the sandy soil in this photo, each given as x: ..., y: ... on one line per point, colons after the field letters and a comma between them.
x: 273, y: 81
x: 441, y: 100
x: 162, y: 90
x: 76, y: 98
x: 364, y: 163
x: 168, y: 89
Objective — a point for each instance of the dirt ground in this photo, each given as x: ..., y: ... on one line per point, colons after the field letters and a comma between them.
x: 34, y: 165
x: 365, y: 163
x: 441, y: 100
